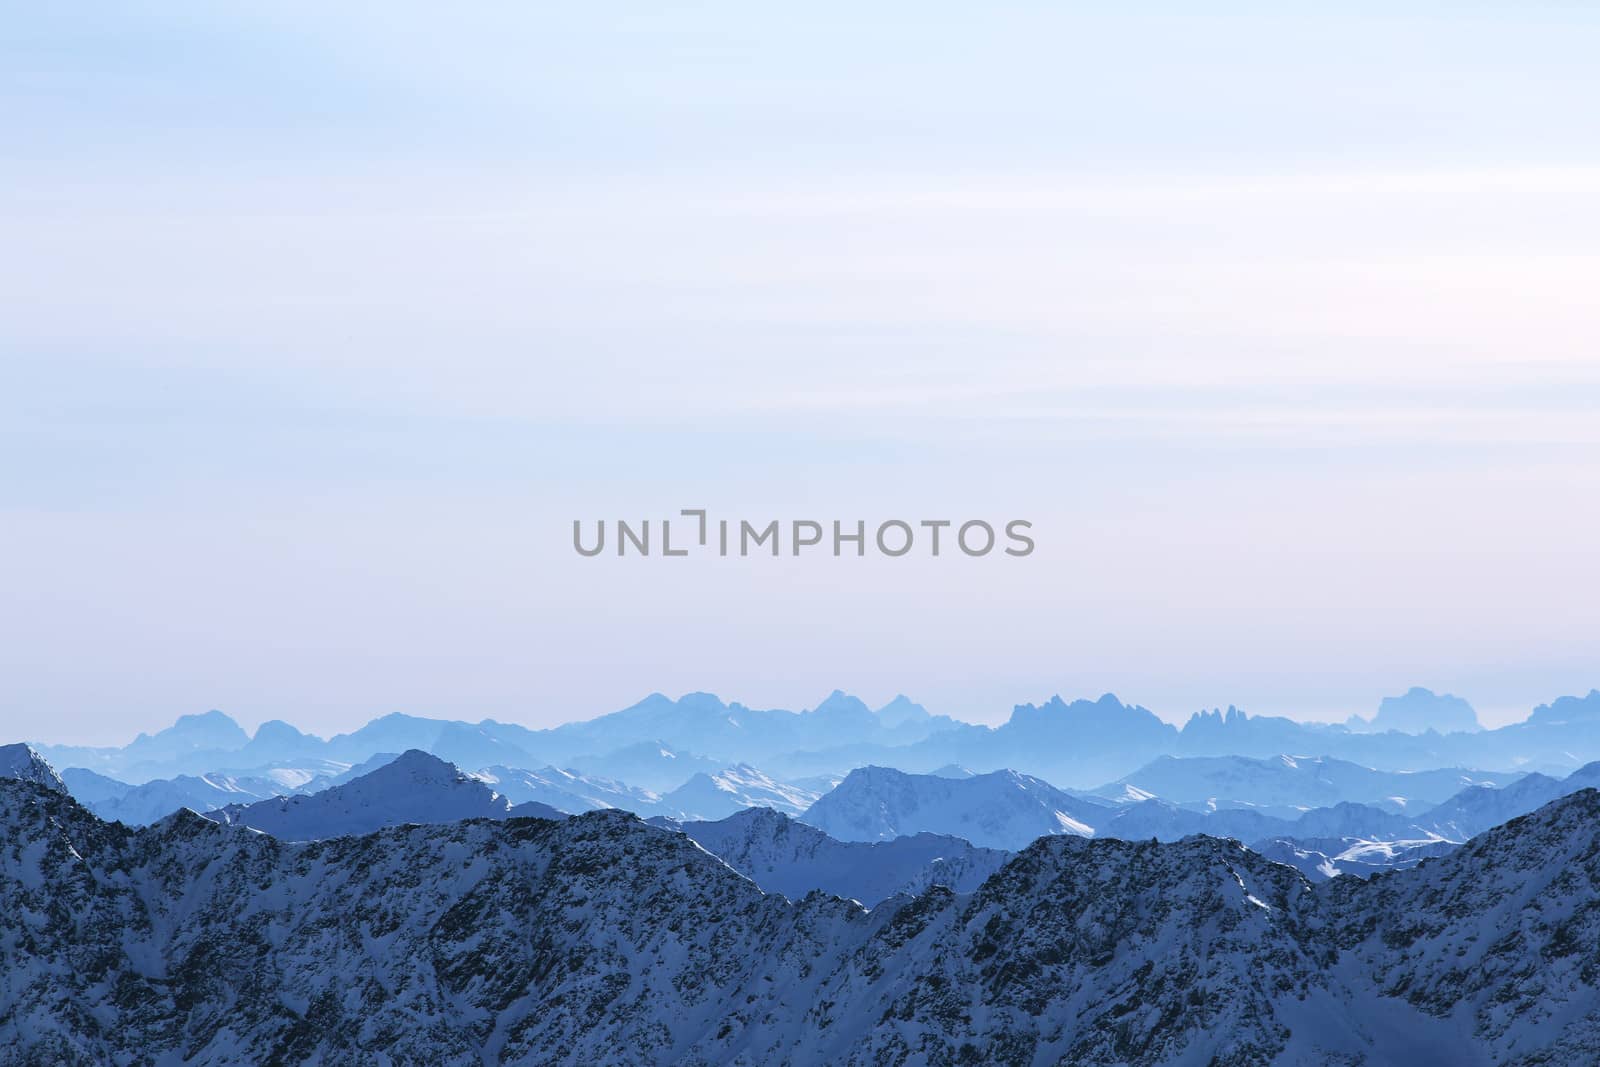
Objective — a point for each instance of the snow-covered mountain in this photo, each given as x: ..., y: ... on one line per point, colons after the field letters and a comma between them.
x: 143, y: 804
x: 650, y: 765
x: 1357, y: 839
x: 999, y: 810
x: 1005, y: 810
x: 1161, y: 821
x: 600, y: 940
x: 138, y: 805
x: 705, y: 796
x: 21, y: 763
x: 568, y: 791
x: 1286, y: 785
x: 414, y: 788
x: 783, y: 855
x: 1321, y: 858
x: 1474, y: 810
x: 716, y: 796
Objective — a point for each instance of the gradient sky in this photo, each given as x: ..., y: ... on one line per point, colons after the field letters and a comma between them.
x: 321, y: 326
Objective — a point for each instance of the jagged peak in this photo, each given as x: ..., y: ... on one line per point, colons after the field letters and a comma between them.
x: 185, y: 822
x: 22, y: 762
x: 1217, y: 716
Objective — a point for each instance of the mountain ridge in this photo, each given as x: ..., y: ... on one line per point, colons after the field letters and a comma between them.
x: 413, y: 943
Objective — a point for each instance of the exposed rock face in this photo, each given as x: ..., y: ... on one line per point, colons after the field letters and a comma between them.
x: 601, y: 940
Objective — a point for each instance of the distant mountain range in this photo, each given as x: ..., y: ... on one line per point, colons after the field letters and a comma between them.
x: 996, y: 811
x: 983, y: 813
x: 599, y: 939
x: 660, y: 744
x: 1285, y: 786
x: 1007, y: 810
x: 999, y: 810
x: 138, y: 805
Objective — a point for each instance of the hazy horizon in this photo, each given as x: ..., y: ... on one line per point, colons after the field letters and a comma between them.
x: 322, y: 329
x: 1489, y: 719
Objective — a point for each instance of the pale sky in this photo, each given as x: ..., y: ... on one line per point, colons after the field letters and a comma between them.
x: 321, y: 327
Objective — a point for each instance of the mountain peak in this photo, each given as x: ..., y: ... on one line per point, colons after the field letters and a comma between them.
x: 901, y: 710
x: 1003, y: 809
x: 418, y: 766
x: 21, y: 762
x: 415, y: 787
x: 205, y: 730
x: 841, y: 705
x: 276, y: 730
x: 394, y: 717
x: 206, y: 720
x: 1420, y: 710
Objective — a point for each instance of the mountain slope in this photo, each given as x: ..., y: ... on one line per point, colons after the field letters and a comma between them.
x: 783, y: 855
x: 89, y: 788
x: 1504, y: 931
x: 600, y: 940
x: 1475, y: 810
x: 21, y: 763
x: 732, y: 789
x: 144, y: 804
